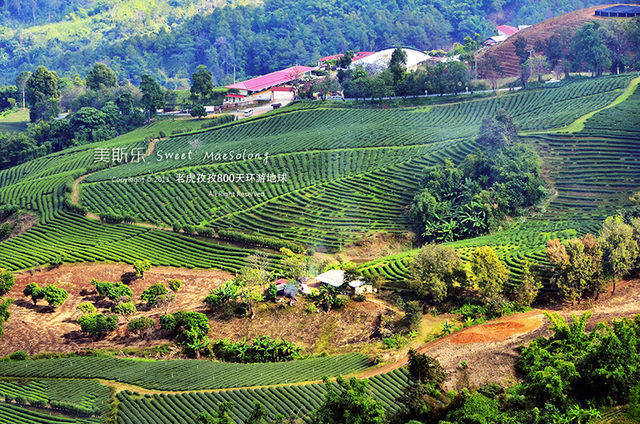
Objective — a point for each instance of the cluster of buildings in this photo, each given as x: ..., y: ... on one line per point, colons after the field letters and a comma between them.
x: 334, y: 277
x: 277, y: 87
x: 504, y: 32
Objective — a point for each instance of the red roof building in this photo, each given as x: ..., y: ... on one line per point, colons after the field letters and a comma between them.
x: 507, y: 30
x: 270, y: 80
x: 356, y: 57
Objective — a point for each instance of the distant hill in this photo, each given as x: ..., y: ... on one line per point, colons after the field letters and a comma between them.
x: 505, y: 52
x: 169, y: 38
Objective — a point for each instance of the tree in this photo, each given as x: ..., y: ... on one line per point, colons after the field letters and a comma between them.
x: 527, y: 288
x: 141, y: 326
x: 577, y: 267
x: 346, y: 59
x: 55, y: 296
x: 201, y: 83
x: 86, y: 308
x: 150, y: 295
x: 223, y: 415
x: 293, y: 264
x: 4, y: 312
x: 490, y: 68
x: 537, y: 66
x: 489, y: 273
x: 619, y: 248
x: 251, y: 282
x: 589, y: 50
x: 152, y: 94
x: 434, y: 270
x: 43, y: 94
x: 496, y: 132
x: 7, y: 280
x: 125, y: 309
x: 34, y: 291
x: 140, y: 266
x: 101, y: 77
x: 175, y: 285
x: 520, y: 45
x: 258, y: 414
x: 351, y: 404
x: 398, y: 64
x: 97, y: 325
x: 21, y: 83
x: 198, y: 111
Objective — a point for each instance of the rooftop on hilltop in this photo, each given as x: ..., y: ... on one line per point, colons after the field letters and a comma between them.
x: 620, y: 11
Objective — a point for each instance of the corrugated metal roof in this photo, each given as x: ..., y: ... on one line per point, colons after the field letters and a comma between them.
x: 507, y: 29
x: 269, y: 80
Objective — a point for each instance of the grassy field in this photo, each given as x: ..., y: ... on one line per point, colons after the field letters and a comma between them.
x: 14, y: 121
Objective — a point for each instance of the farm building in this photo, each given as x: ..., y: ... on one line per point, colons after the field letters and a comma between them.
x: 619, y: 11
x: 507, y: 30
x: 335, y: 278
x: 267, y: 87
x: 383, y: 57
x: 356, y: 57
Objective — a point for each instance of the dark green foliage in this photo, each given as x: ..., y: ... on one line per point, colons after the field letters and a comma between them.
x: 198, y: 111
x: 55, y: 296
x: 19, y: 355
x: 435, y: 269
x: 150, y: 295
x: 97, y: 325
x: 230, y: 290
x: 4, y: 312
x: 113, y: 291
x: 101, y: 77
x: 260, y: 349
x: 33, y: 291
x: 348, y: 403
x: 588, y: 50
x: 190, y: 327
x: 140, y: 325
x: 201, y: 84
x: 43, y: 94
x: 152, y: 94
x: 472, y: 198
x: 7, y: 280
x: 577, y: 366
x: 259, y: 240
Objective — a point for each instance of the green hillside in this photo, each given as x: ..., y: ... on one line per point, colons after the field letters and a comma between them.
x: 349, y: 171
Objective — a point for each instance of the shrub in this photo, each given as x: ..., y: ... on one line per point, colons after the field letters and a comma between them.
x: 140, y: 325
x: 7, y: 280
x: 86, y: 308
x: 19, y: 355
x: 97, y: 325
x: 55, y: 296
x: 175, y: 285
x: 261, y: 349
x: 150, y: 295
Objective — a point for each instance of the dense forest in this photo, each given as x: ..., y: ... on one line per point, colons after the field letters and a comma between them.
x: 169, y: 38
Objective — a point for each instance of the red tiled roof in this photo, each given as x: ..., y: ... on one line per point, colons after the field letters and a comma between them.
x: 269, y: 80
x: 361, y: 55
x: 235, y: 96
x: 507, y: 29
x: 333, y: 56
x: 282, y: 89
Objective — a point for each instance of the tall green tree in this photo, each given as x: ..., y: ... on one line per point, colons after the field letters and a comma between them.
x: 435, y: 269
x: 201, y: 83
x: 398, y: 65
x: 43, y: 94
x: 101, y: 77
x: 489, y: 273
x: 349, y: 403
x: 7, y: 280
x: 152, y: 95
x: 619, y: 248
x: 588, y: 49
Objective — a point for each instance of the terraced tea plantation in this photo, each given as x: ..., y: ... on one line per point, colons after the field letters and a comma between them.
x: 333, y: 173
x: 186, y: 374
x: 296, y: 401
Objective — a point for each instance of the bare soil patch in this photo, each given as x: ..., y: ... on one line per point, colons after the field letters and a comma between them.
x: 499, y: 330
x: 37, y: 329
